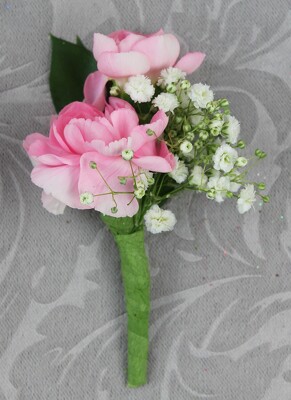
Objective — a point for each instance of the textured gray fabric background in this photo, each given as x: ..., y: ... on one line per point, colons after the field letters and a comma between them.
x: 221, y: 282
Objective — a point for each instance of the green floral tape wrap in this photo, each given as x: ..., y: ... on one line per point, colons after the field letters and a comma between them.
x: 129, y: 236
x: 136, y: 281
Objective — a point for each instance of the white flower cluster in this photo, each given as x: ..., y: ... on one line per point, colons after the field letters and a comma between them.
x: 158, y: 220
x: 202, y: 135
x: 223, y: 182
x: 201, y: 95
x: 139, y: 88
x: 180, y: 172
x: 232, y: 130
x: 198, y: 177
x: 246, y: 199
x: 219, y: 185
x: 142, y: 182
x: 170, y: 76
x: 166, y: 102
x: 225, y: 158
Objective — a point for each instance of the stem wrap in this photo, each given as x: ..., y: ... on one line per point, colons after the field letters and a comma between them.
x: 136, y: 282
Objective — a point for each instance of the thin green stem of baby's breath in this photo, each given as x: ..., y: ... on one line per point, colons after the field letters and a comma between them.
x: 104, y: 180
x: 133, y: 197
x: 111, y: 193
x: 161, y: 184
x: 134, y: 177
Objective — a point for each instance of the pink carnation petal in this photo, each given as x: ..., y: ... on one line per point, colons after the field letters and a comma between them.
x: 117, y: 65
x: 153, y: 163
x: 190, y: 62
x: 94, y: 130
x: 112, y: 149
x: 162, y: 51
x: 120, y: 35
x: 94, y: 89
x: 57, y: 139
x: 40, y: 150
x: 130, y: 40
x: 107, y: 125
x: 127, y: 206
x: 148, y: 149
x: 30, y: 139
x: 123, y: 121
x: 155, y: 156
x: 53, y: 160
x: 158, y: 33
x: 51, y: 204
x: 78, y: 109
x: 37, y: 144
x: 110, y: 168
x: 102, y: 43
x: 166, y: 154
x: 61, y: 182
x: 75, y: 139
x: 139, y: 134
x: 116, y: 103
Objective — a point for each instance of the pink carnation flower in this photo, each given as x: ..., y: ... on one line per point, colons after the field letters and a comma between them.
x: 123, y: 53
x: 81, y: 137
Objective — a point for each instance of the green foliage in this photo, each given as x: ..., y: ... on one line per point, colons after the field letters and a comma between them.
x: 70, y: 65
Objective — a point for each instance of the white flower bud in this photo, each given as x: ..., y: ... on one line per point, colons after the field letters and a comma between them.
x: 140, y: 185
x: 144, y: 179
x: 92, y: 165
x: 241, y: 162
x: 150, y: 132
x: 86, y: 198
x: 186, y: 147
x: 211, y: 194
x: 203, y: 135
x: 127, y: 154
x: 122, y: 180
x: 114, y: 90
x: 139, y: 192
x: 171, y: 88
x: 185, y: 84
x: 215, y: 127
x: 196, y: 119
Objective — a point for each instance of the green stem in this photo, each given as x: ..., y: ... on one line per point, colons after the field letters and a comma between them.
x: 136, y: 282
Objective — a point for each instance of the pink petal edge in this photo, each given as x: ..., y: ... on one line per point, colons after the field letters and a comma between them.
x: 94, y: 90
x: 190, y: 62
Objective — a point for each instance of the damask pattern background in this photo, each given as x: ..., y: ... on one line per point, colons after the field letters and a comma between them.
x: 221, y: 282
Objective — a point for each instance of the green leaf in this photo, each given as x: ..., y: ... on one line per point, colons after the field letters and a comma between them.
x: 79, y: 41
x: 70, y: 65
